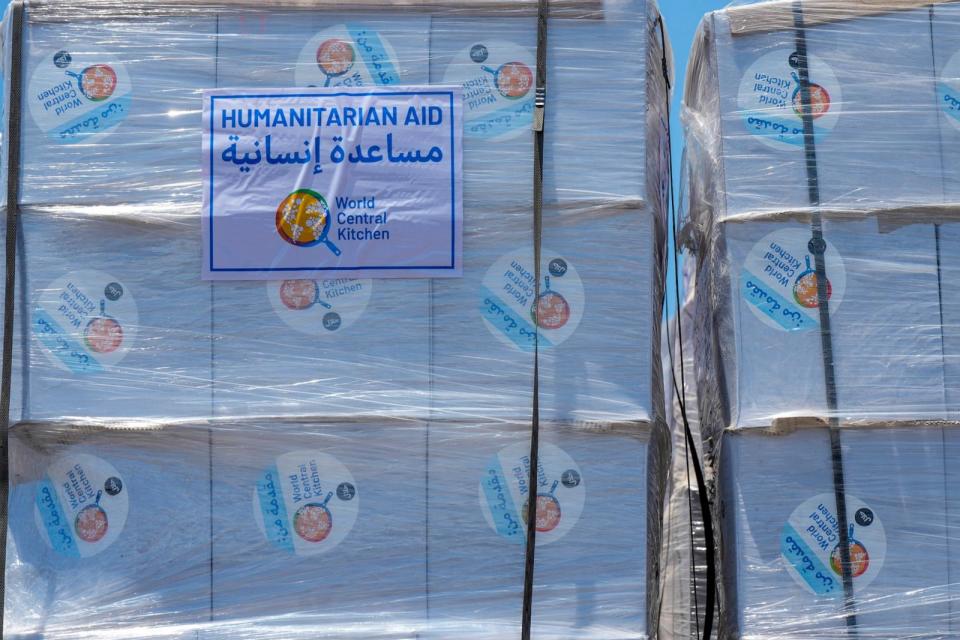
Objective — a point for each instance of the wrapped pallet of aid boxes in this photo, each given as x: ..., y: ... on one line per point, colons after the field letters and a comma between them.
x: 822, y: 211
x: 327, y: 451
x: 602, y: 415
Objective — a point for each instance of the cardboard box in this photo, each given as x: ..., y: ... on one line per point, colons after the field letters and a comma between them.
x: 114, y: 320
x: 780, y: 533
x: 593, y: 502
x: 335, y: 346
x: 603, y: 69
x: 885, y: 333
x: 872, y: 114
x: 948, y: 238
x: 111, y: 110
x: 109, y: 532
x: 320, y: 530
x: 951, y: 437
x: 326, y: 347
x: 598, y: 313
x: 478, y: 369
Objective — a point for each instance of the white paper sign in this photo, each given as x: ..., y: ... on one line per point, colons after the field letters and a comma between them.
x: 314, y: 182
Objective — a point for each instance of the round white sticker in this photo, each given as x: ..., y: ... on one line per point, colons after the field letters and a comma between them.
x: 319, y: 307
x: 306, y: 503
x: 770, y: 102
x: 810, y: 545
x: 779, y: 280
x: 509, y: 303
x: 498, y: 88
x: 85, y: 321
x: 504, y: 493
x: 347, y: 55
x: 81, y: 505
x: 948, y: 89
x: 76, y: 94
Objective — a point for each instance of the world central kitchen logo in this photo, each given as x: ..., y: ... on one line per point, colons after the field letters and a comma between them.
x: 304, y: 220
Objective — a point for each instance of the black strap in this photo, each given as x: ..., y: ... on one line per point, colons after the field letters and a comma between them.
x: 818, y: 247
x: 14, y: 107
x: 680, y: 389
x: 538, y: 121
x: 680, y: 393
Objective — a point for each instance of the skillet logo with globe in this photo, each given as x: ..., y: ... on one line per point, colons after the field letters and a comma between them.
x: 303, y: 220
x: 313, y: 522
x: 81, y: 505
x: 520, y: 313
x: 348, y: 55
x: 499, y: 84
x: 859, y: 556
x: 73, y: 95
x: 771, y: 97
x: 86, y: 321
x: 306, y: 503
x: 780, y: 283
x: 810, y: 545
x: 97, y: 82
x: 320, y: 307
x: 819, y: 95
x: 505, y: 496
x: 513, y: 79
x: 805, y: 290
x: 335, y: 58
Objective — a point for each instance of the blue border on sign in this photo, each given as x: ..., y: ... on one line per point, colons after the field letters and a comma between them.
x: 453, y: 181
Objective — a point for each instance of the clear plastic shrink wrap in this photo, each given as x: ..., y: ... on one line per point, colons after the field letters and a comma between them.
x: 821, y: 140
x: 684, y: 610
x: 194, y: 459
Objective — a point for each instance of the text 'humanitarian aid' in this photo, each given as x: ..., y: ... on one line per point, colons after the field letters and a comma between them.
x: 332, y: 181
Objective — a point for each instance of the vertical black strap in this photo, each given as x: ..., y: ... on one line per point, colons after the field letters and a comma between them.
x: 680, y: 390
x: 818, y: 246
x: 14, y: 113
x: 538, y: 121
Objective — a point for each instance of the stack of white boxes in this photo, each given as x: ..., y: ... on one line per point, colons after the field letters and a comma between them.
x: 109, y: 532
x: 337, y: 458
x: 591, y: 491
x: 945, y: 29
x: 332, y: 377
x: 328, y: 520
x: 884, y: 132
x: 109, y: 517
x: 114, y: 319
x: 599, y: 304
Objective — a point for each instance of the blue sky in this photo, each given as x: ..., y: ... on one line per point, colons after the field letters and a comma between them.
x: 682, y: 18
